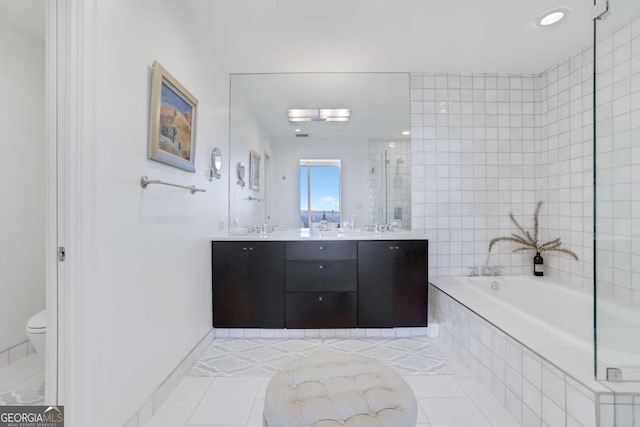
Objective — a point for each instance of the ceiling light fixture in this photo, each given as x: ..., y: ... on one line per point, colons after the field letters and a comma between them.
x: 551, y: 17
x: 406, y: 132
x: 319, y: 115
x: 298, y: 130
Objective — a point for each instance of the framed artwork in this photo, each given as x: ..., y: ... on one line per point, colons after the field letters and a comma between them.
x: 172, y: 123
x: 254, y: 170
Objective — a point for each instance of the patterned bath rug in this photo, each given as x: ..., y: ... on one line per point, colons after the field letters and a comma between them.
x: 260, y: 357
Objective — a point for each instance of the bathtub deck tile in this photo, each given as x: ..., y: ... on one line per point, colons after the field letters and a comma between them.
x: 552, y: 414
x: 532, y: 369
x: 553, y: 386
x: 532, y: 397
x: 514, y: 382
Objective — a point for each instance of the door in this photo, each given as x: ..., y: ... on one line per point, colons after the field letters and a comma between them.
x: 248, y: 284
x: 376, y: 268
x: 410, y: 283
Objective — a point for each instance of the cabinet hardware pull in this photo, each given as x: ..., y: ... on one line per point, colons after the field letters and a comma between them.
x: 244, y: 249
x: 397, y: 247
x: 391, y: 247
x: 250, y: 249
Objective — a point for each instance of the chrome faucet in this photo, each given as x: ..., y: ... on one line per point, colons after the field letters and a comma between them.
x: 491, y: 270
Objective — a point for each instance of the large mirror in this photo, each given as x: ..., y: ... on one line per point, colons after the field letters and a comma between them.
x: 334, y: 148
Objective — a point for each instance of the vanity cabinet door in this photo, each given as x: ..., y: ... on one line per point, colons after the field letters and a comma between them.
x: 248, y: 284
x: 392, y: 283
x: 410, y: 283
x: 375, y: 284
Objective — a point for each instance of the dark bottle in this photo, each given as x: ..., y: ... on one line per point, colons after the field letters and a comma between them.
x: 538, y: 265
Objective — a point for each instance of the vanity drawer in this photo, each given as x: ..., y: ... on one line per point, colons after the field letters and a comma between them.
x: 324, y: 250
x: 316, y: 310
x: 321, y: 276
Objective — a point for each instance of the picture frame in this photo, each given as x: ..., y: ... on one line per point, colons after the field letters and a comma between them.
x: 172, y: 122
x: 254, y: 170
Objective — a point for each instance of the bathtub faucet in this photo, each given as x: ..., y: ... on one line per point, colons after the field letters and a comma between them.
x: 491, y: 270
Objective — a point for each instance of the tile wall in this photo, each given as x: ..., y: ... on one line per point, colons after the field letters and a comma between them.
x: 486, y: 145
x: 618, y: 133
x: 564, y: 165
x: 473, y: 162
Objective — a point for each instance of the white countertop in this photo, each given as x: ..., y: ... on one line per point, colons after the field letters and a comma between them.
x: 300, y: 234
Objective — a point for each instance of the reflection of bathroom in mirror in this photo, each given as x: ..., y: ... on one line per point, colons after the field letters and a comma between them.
x: 372, y: 146
x: 22, y: 228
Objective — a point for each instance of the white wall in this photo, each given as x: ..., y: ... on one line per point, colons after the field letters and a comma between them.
x: 152, y: 249
x: 22, y: 217
x: 246, y: 134
x: 353, y: 154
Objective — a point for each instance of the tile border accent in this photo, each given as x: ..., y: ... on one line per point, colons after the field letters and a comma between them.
x: 15, y: 353
x: 531, y: 388
x: 164, y: 390
x: 431, y: 331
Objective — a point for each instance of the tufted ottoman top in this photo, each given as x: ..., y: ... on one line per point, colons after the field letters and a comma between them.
x: 333, y: 390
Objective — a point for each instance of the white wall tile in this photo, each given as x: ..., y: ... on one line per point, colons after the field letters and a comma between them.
x: 580, y: 407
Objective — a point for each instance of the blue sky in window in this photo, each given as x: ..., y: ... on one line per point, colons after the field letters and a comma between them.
x: 325, y: 188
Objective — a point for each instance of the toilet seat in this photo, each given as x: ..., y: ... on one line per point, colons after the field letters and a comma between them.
x: 38, y: 323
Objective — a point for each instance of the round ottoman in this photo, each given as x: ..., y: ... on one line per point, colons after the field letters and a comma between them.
x: 332, y: 390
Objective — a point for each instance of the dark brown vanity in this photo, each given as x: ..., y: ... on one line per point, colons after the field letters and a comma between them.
x: 317, y: 283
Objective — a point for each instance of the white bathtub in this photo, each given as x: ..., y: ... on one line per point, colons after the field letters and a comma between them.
x: 564, y: 309
x: 543, y: 313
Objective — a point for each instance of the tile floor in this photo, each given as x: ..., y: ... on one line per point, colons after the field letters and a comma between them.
x: 22, y: 382
x: 451, y: 397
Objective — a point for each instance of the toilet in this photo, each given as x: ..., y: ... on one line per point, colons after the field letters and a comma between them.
x: 37, y: 333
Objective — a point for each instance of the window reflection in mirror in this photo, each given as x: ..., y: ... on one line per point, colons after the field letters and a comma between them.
x: 320, y: 193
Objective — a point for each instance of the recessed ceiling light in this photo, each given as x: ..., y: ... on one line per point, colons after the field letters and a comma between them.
x: 406, y: 132
x: 298, y: 130
x: 551, y: 17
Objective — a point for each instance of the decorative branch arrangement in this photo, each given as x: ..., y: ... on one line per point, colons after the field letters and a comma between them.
x: 529, y: 241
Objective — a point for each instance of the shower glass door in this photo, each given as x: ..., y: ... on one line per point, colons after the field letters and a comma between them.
x: 390, y: 182
x: 617, y: 192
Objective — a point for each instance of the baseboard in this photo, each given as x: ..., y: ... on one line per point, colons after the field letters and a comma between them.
x: 164, y: 390
x: 16, y: 353
x: 325, y: 333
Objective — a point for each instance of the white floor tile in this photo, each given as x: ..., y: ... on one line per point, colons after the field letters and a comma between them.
x: 422, y: 418
x: 30, y: 384
x: 178, y: 408
x: 495, y: 413
x: 229, y: 400
x: 432, y: 386
x: 255, y: 419
x: 453, y: 412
